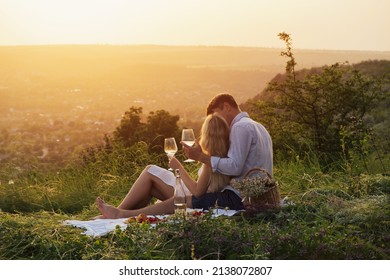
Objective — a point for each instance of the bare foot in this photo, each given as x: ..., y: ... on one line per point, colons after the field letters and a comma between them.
x: 108, y: 211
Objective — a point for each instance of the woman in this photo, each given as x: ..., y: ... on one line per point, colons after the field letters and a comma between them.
x: 209, y: 190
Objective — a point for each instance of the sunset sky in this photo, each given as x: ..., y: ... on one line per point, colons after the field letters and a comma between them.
x: 313, y: 24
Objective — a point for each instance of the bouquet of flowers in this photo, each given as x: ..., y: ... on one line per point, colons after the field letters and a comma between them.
x: 253, y: 186
x: 258, y: 188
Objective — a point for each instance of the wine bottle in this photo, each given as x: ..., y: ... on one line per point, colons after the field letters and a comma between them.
x: 179, y: 195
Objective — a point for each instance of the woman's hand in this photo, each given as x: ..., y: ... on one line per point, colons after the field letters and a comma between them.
x: 174, y: 163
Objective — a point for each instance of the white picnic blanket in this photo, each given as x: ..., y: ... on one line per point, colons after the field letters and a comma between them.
x: 100, y: 227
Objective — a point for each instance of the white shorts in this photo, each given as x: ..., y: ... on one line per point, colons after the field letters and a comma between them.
x: 165, y: 175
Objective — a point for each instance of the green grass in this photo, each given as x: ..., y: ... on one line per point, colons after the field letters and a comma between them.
x: 355, y: 229
x: 334, y: 215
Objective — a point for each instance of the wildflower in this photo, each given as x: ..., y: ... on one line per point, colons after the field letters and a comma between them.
x: 253, y: 186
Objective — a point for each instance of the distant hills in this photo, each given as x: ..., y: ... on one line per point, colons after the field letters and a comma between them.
x: 156, y: 77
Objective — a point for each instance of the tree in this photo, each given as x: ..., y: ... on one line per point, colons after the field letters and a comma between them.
x: 161, y: 124
x: 131, y: 130
x: 313, y: 106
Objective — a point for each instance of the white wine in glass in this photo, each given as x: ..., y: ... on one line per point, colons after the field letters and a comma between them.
x: 188, y: 138
x: 170, y: 147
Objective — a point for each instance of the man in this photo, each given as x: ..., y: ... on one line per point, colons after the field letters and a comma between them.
x: 250, y: 142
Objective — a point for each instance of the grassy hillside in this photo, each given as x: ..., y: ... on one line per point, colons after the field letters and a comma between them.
x: 331, y: 216
x: 57, y: 100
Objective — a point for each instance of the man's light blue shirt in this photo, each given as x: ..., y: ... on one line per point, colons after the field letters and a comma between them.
x: 250, y: 147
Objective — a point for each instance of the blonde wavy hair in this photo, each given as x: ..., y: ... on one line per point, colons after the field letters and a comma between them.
x: 215, y: 142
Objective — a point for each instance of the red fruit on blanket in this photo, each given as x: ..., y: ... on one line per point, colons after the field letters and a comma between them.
x: 142, y: 218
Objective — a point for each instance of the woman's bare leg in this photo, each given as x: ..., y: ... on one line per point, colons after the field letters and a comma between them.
x: 144, y: 189
x: 111, y: 212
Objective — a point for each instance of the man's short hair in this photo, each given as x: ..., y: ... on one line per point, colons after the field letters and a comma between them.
x: 218, y: 100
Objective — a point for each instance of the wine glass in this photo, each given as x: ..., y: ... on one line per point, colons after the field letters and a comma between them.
x: 170, y: 147
x: 188, y: 138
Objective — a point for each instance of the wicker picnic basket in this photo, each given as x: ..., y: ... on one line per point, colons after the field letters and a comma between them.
x: 259, y: 189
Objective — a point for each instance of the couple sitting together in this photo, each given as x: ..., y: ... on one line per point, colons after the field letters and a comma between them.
x: 230, y: 145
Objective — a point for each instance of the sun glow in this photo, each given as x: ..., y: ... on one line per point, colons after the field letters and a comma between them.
x: 322, y: 24
x: 58, y: 21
